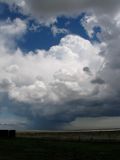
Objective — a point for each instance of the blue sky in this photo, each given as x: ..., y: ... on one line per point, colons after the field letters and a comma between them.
x: 73, y: 25
x: 59, y: 64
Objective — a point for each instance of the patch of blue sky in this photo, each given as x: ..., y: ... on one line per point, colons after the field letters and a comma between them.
x: 43, y: 38
x: 95, y: 37
x: 73, y: 25
x: 6, y: 12
x: 40, y: 36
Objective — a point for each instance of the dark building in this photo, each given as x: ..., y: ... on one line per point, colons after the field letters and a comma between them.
x: 12, y: 133
x: 3, y: 133
x: 7, y: 133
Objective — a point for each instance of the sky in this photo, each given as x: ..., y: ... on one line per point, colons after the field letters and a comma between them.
x: 59, y: 64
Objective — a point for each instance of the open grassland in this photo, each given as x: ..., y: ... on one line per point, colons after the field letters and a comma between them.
x: 37, y: 149
x: 93, y: 136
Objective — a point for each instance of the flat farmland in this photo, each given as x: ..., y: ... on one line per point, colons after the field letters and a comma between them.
x: 35, y: 145
x: 37, y: 149
x: 93, y: 136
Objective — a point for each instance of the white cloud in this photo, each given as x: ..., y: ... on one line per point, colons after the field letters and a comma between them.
x: 15, y: 28
x: 55, y: 30
x: 89, y: 22
x: 110, y: 36
x: 11, y: 31
x: 53, y: 76
x: 63, y: 57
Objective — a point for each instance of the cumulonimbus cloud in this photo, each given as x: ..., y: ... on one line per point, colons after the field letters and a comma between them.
x: 70, y: 80
x: 45, y: 79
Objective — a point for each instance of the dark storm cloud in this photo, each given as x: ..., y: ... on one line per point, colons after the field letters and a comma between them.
x: 98, y: 80
x: 46, y: 11
x: 56, y: 6
x: 87, y: 70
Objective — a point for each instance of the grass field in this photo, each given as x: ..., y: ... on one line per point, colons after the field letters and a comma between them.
x: 110, y: 136
x: 37, y: 149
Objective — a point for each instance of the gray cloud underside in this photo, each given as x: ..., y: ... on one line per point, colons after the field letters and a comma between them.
x: 47, y: 11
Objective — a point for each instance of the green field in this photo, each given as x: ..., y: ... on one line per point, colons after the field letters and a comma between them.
x: 37, y: 149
